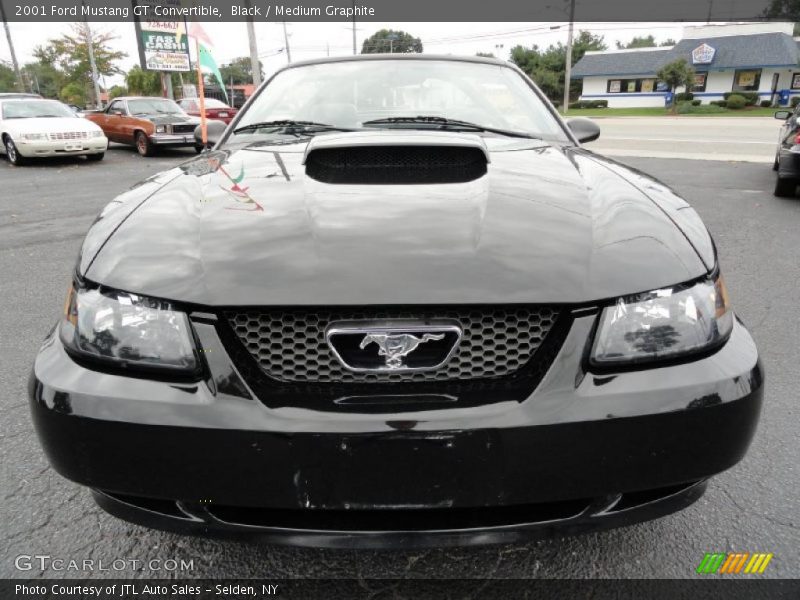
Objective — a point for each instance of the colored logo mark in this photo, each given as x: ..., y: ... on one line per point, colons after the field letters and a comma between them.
x: 734, y: 563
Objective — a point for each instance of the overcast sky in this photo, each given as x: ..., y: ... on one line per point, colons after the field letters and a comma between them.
x: 312, y: 40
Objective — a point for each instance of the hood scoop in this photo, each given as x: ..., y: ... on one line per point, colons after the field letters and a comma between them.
x: 396, y: 158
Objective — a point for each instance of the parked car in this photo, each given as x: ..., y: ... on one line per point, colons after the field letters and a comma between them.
x: 34, y: 128
x: 398, y: 304
x: 787, y: 155
x: 215, y: 109
x: 146, y: 123
x: 12, y: 95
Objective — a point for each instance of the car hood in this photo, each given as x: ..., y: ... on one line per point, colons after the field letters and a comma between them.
x: 50, y: 124
x: 249, y: 227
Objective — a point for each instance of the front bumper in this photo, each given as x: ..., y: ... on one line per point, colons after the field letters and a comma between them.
x: 45, y: 148
x: 583, y: 452
x: 173, y: 139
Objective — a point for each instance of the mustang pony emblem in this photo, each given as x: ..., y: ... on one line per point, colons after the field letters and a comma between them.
x: 395, y: 346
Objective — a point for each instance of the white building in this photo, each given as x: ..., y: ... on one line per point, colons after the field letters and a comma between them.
x: 745, y: 57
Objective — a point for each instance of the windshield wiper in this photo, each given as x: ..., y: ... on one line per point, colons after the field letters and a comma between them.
x: 291, y: 125
x: 444, y: 122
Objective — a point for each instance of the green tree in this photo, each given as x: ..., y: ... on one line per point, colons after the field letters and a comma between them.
x: 116, y: 91
x: 667, y: 42
x: 638, y: 42
x: 7, y: 78
x: 389, y: 40
x: 44, y: 78
x: 73, y: 93
x: 676, y: 74
x: 70, y: 55
x: 548, y: 67
x: 240, y: 70
x: 143, y: 83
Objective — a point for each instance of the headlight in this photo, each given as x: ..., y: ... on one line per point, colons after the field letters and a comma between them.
x: 663, y: 324
x: 161, y: 128
x: 33, y: 136
x: 127, y: 330
x: 97, y: 134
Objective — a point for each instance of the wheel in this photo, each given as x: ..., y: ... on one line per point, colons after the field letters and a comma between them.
x: 14, y: 157
x: 143, y: 144
x: 784, y: 188
x: 199, y: 148
x: 95, y: 157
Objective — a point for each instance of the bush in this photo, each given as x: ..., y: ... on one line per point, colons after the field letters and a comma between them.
x: 766, y: 103
x: 795, y: 101
x: 736, y: 102
x: 750, y: 97
x: 690, y: 108
x: 720, y: 103
x: 589, y: 104
x: 696, y: 102
x: 683, y: 97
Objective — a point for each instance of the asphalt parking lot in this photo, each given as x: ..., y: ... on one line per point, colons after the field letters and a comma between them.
x: 755, y: 507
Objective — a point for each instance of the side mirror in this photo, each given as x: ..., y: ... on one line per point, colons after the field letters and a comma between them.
x: 584, y: 129
x: 214, y: 131
x: 783, y: 114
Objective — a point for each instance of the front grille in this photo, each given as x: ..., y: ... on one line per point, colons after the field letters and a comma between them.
x: 68, y: 135
x: 184, y: 128
x: 289, y: 345
x: 396, y: 165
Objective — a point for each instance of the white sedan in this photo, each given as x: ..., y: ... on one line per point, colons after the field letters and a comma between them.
x: 33, y: 127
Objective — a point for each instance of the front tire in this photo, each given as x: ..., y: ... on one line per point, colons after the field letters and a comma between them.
x: 785, y: 188
x: 14, y: 157
x: 95, y: 157
x: 143, y: 144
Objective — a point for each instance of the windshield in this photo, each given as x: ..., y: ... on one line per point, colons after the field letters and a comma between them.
x: 149, y: 106
x: 32, y: 109
x: 349, y: 94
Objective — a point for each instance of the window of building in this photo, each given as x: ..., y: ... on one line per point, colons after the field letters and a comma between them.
x: 746, y: 80
x: 700, y: 79
x: 796, y: 81
x: 632, y: 86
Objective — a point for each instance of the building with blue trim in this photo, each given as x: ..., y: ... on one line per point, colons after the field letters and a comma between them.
x: 743, y: 57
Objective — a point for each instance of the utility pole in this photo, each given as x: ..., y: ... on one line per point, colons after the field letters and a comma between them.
x: 255, y: 65
x: 92, y: 65
x: 286, y: 43
x: 14, y: 62
x: 568, y: 71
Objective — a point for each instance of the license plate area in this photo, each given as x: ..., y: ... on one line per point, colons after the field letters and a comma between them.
x: 72, y: 146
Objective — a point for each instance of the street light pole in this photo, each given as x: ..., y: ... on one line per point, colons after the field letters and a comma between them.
x: 354, y: 28
x: 568, y: 70
x: 14, y: 62
x: 286, y: 43
x: 255, y: 66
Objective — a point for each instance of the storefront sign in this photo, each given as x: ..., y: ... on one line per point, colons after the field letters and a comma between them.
x: 795, y: 81
x: 160, y: 48
x: 614, y: 86
x: 648, y: 85
x: 703, y: 54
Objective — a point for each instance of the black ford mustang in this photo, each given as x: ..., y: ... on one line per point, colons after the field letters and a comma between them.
x: 397, y: 304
